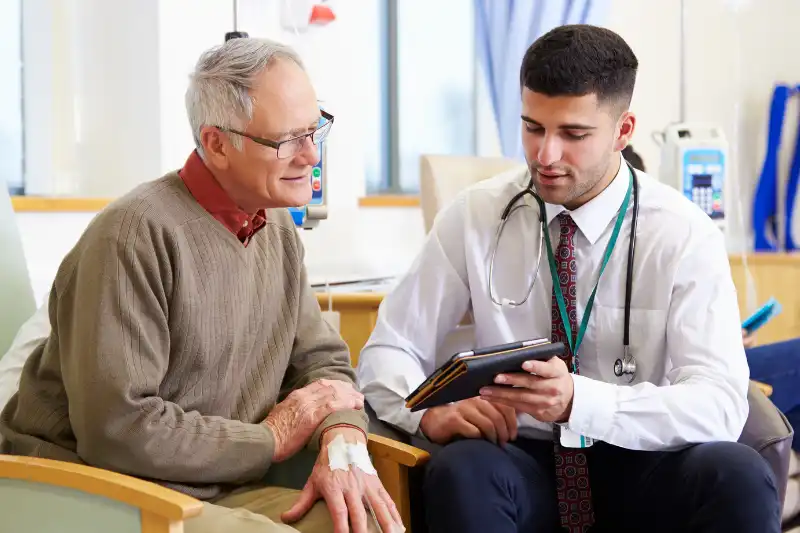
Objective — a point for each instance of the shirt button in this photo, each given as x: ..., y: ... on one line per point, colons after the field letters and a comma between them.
x: 245, y: 224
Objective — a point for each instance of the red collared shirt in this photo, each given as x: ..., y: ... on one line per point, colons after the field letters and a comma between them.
x: 210, y: 195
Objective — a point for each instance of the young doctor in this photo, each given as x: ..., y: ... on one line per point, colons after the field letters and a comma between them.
x: 664, y: 456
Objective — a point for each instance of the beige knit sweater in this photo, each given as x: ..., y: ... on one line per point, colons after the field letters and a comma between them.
x: 171, y: 343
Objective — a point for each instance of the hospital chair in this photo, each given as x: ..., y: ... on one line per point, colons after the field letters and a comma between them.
x: 46, y: 496
x: 17, y: 302
x: 441, y: 178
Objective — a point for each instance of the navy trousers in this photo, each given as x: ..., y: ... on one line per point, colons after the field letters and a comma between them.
x: 476, y: 486
x: 778, y: 364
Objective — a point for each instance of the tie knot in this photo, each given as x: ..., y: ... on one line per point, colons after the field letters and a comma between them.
x: 567, y: 225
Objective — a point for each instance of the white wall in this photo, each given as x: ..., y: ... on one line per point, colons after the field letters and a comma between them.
x: 369, y: 241
x: 91, y: 95
x: 734, y: 59
x: 10, y: 96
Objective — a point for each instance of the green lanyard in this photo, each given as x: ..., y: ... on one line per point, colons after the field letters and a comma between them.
x: 574, y: 344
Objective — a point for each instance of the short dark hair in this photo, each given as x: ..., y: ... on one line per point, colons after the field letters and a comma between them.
x: 581, y: 59
x: 633, y: 158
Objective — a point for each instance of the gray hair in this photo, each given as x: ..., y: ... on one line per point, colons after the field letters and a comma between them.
x: 219, y: 88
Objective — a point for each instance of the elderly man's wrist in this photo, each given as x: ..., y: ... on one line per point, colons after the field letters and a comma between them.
x: 351, y: 432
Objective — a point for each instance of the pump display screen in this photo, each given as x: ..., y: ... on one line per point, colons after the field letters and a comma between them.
x: 703, y: 176
x: 702, y: 180
x: 703, y: 158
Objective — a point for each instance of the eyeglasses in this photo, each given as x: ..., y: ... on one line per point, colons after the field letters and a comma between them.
x: 289, y: 147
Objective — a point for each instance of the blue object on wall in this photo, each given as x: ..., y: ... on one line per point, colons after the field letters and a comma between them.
x: 765, y: 199
x: 505, y: 29
x: 300, y: 214
x: 791, y: 188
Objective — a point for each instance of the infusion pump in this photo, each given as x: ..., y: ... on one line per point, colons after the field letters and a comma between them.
x: 308, y: 216
x: 694, y: 159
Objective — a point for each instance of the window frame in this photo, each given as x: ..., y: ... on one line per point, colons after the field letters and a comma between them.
x: 389, y: 160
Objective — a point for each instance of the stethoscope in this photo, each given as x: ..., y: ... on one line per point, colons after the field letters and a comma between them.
x: 623, y: 366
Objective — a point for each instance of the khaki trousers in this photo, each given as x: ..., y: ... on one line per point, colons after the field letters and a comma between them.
x: 259, y: 511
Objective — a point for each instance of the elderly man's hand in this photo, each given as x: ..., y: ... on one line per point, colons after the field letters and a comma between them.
x: 346, y: 489
x: 295, y: 419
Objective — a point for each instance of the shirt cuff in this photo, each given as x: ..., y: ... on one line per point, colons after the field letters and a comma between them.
x: 419, y: 433
x: 593, y: 407
x: 349, y: 418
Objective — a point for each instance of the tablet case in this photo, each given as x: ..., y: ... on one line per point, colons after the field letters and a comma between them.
x: 463, y: 375
x: 766, y: 313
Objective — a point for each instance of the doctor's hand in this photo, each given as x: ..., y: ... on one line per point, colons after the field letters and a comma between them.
x: 474, y: 418
x: 545, y: 393
x: 748, y: 339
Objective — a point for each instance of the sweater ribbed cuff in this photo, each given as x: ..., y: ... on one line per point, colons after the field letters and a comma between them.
x: 349, y: 417
x: 267, y: 441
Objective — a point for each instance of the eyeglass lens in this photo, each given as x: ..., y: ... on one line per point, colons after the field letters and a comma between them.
x: 289, y: 148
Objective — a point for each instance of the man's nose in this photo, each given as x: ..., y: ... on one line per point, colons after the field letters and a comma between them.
x: 549, y: 151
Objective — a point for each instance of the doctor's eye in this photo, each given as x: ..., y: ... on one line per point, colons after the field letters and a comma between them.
x: 533, y: 129
x: 576, y: 136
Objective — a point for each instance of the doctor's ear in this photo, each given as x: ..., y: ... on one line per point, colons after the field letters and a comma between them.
x: 625, y: 127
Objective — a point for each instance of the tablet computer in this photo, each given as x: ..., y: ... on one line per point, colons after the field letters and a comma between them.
x: 465, y: 373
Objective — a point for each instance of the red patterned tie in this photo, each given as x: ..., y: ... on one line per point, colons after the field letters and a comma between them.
x: 572, y: 469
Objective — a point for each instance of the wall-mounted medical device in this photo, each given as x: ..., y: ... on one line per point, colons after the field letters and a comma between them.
x: 694, y: 159
x: 309, y: 215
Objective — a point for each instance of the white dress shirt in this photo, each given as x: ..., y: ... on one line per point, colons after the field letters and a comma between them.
x: 685, y: 330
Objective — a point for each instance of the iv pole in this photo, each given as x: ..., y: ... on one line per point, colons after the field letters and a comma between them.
x: 682, y: 59
x: 235, y: 34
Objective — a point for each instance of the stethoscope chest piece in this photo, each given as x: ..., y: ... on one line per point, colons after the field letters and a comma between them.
x: 625, y: 366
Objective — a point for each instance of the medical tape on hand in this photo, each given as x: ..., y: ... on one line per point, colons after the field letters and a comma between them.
x: 359, y: 457
x: 342, y: 454
x: 338, y: 456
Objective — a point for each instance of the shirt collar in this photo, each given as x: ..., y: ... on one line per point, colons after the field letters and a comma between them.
x: 593, y: 217
x: 212, y: 197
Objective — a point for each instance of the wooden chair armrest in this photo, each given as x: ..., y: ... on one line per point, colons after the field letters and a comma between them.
x: 150, y: 498
x: 398, y: 452
x: 766, y: 389
x: 392, y: 460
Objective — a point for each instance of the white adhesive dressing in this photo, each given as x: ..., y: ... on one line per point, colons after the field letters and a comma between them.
x: 359, y: 457
x: 338, y: 456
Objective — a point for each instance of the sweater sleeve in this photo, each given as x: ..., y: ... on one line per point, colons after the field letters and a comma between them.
x: 113, y: 328
x: 319, y: 352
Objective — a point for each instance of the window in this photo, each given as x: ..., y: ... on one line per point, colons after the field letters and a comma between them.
x: 427, y: 90
x: 11, y: 145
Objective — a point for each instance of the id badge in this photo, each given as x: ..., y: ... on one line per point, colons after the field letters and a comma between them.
x: 570, y: 439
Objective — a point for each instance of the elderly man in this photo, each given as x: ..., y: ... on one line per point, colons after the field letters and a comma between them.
x: 187, y: 346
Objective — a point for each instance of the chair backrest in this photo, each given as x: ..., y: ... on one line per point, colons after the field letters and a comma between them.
x: 17, y: 302
x: 29, y: 506
x: 50, y: 496
x: 442, y: 177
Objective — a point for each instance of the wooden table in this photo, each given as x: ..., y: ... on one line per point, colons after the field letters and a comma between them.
x: 775, y: 275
